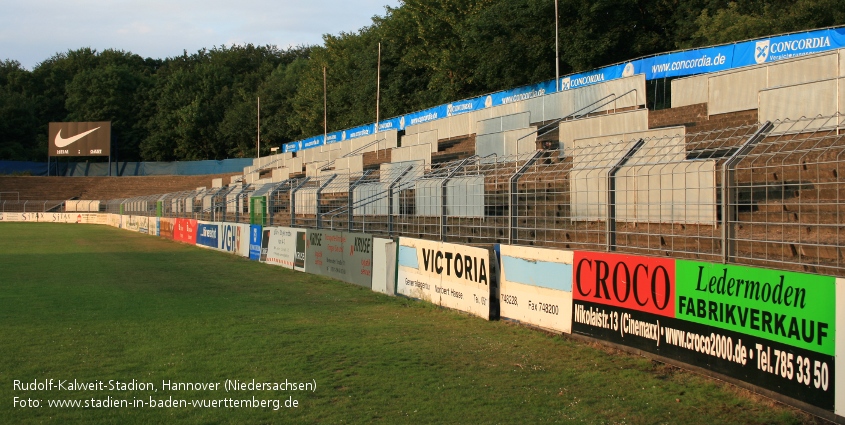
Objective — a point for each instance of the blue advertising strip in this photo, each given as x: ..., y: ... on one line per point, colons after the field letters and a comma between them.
x: 602, y: 75
x: 335, y: 137
x: 787, y: 46
x: 675, y: 64
x: 255, y: 234
x: 537, y: 273
x: 520, y: 93
x: 207, y: 234
x: 408, y: 257
x: 711, y: 59
x: 427, y: 115
x: 465, y: 106
x: 361, y: 131
x: 391, y: 124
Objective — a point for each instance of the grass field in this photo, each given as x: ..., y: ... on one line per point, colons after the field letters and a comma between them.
x: 93, y: 303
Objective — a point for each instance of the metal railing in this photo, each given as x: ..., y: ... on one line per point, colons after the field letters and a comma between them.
x: 767, y: 195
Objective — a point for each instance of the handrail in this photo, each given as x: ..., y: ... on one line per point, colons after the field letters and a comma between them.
x: 575, y: 114
x: 352, y: 153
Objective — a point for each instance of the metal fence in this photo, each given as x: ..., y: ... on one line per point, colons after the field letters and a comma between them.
x: 769, y: 194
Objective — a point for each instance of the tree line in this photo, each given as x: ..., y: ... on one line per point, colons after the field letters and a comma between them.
x: 202, y: 105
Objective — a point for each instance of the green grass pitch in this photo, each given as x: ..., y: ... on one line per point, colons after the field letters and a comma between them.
x: 126, y: 313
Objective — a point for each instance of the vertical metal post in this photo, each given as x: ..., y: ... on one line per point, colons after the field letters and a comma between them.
x: 390, y: 198
x: 610, y: 235
x: 728, y: 213
x: 317, y: 201
x: 258, y: 134
x: 513, y: 196
x: 378, y: 84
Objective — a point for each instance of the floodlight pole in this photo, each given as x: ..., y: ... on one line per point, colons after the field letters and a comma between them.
x: 325, y: 108
x: 258, y: 141
x: 557, y: 52
x: 378, y: 84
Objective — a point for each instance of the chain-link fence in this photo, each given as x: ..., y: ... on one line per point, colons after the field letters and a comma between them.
x: 769, y: 194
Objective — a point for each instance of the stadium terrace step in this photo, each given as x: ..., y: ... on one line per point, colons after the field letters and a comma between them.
x: 102, y: 188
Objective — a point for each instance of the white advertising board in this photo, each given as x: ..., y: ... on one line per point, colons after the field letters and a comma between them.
x: 113, y: 220
x: 282, y: 247
x: 449, y: 275
x: 231, y: 240
x: 130, y: 222
x: 143, y: 224
x: 384, y: 266
x: 536, y: 287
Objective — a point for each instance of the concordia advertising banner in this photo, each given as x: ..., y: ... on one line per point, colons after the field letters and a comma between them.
x: 648, y: 304
x: 255, y: 234
x: 536, y: 287
x: 185, y: 230
x: 449, y: 275
x: 79, y: 138
x: 166, y: 226
x: 282, y: 247
x: 787, y: 46
x: 208, y: 234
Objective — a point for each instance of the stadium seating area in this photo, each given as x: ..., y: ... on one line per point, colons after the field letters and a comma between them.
x: 591, y: 168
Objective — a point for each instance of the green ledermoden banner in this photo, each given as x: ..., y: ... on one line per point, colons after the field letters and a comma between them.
x: 796, y: 309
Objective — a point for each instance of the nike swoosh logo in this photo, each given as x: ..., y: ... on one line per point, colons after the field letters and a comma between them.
x: 62, y: 142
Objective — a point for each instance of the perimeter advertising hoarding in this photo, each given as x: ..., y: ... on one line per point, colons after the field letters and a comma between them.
x: 231, y: 241
x: 166, y: 227
x: 79, y: 218
x: 208, y: 234
x: 384, y: 266
x: 255, y: 234
x: 143, y: 224
x: 131, y: 222
x: 536, y: 287
x: 185, y: 230
x: 449, y: 275
x: 79, y: 138
x: 340, y: 255
x: 114, y: 220
x: 154, y: 226
x: 282, y: 247
x: 652, y: 304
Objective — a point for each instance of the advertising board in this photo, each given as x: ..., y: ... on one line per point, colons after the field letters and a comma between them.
x: 166, y: 227
x: 340, y: 255
x: 449, y: 275
x: 281, y: 248
x: 255, y: 234
x: 773, y: 329
x: 185, y: 230
x: 208, y: 234
x: 79, y: 138
x: 536, y: 287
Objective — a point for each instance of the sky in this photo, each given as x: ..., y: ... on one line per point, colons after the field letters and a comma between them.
x: 32, y: 31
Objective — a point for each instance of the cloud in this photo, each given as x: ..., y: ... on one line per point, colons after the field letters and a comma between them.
x: 33, y: 31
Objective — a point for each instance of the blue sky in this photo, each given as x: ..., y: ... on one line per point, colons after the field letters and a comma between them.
x: 34, y: 30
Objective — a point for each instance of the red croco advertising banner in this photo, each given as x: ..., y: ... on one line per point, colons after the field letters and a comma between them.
x: 636, y: 283
x: 185, y: 230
